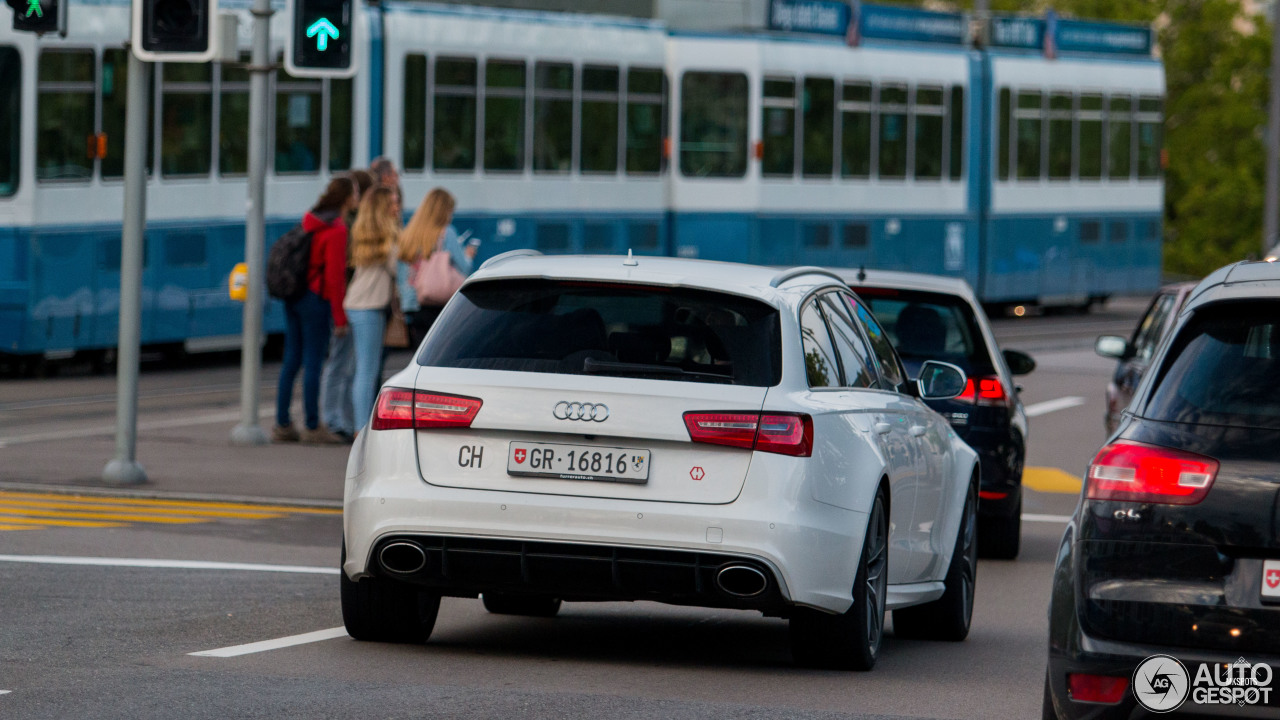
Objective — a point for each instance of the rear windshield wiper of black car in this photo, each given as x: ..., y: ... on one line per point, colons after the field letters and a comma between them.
x: 591, y: 366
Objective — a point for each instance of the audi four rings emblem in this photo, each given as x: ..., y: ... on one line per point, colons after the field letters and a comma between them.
x: 597, y: 412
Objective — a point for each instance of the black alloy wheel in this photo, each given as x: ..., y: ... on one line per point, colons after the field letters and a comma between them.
x: 948, y: 617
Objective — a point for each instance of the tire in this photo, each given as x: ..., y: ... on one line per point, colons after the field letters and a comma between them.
x: 850, y: 641
x: 948, y: 617
x: 528, y: 605
x: 381, y: 610
x: 1001, y: 537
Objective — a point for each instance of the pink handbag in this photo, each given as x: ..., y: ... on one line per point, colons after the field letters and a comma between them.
x: 435, y: 279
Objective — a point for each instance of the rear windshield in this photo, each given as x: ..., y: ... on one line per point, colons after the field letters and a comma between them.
x: 929, y: 326
x: 575, y: 328
x: 1223, y: 369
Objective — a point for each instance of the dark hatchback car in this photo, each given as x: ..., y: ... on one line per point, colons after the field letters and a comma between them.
x: 934, y: 317
x: 1134, y: 353
x: 1174, y: 547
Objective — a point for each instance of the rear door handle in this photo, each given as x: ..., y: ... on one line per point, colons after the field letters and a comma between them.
x: 918, y: 430
x: 883, y: 428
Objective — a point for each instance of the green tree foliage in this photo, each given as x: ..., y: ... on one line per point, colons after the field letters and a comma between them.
x: 1217, y: 63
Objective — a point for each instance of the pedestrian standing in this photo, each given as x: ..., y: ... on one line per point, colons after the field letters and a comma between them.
x: 372, y: 290
x: 308, y: 318
x: 340, y: 367
x: 430, y: 230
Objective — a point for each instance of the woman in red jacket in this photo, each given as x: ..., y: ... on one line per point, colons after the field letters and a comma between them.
x: 308, y: 319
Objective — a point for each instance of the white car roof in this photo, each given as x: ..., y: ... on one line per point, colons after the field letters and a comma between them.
x: 753, y: 281
x: 907, y: 281
x: 1239, y: 281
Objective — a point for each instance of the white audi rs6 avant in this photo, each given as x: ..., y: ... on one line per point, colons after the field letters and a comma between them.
x: 688, y: 432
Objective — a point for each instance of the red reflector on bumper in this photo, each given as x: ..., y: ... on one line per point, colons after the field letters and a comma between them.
x: 991, y: 495
x: 1097, y: 688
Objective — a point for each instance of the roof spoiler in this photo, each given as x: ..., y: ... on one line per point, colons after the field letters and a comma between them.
x: 795, y: 272
x: 508, y: 255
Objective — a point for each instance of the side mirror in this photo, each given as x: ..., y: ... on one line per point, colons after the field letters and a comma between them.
x: 940, y: 381
x: 1113, y: 346
x: 1019, y: 362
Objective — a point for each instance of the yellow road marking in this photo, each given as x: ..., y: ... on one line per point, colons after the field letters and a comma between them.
x: 129, y: 517
x: 155, y: 502
x: 114, y: 507
x: 19, y: 527
x: 1051, y: 480
x: 43, y: 522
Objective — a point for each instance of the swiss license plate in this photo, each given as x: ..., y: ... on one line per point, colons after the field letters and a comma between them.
x: 578, y: 462
x: 1271, y: 581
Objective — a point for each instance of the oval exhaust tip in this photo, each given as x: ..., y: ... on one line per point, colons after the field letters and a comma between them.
x: 741, y: 581
x: 402, y: 557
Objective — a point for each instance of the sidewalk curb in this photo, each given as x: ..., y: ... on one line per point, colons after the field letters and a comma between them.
x: 145, y: 494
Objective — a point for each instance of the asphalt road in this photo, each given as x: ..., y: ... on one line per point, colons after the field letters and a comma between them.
x: 113, y: 638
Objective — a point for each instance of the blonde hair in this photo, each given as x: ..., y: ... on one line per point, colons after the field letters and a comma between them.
x: 421, y: 236
x: 375, y: 229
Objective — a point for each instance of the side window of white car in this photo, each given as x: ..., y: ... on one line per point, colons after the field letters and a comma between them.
x: 855, y: 356
x: 820, y: 364
x: 891, y: 372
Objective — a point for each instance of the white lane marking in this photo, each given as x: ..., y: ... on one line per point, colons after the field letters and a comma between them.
x: 108, y: 430
x: 167, y: 564
x: 1032, y: 517
x: 1048, y: 406
x: 265, y: 645
x: 5, y: 692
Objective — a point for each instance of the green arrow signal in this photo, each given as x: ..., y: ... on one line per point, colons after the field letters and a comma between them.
x: 322, y: 30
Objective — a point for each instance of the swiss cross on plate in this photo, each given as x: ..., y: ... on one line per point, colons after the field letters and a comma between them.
x: 519, y: 455
x: 1271, y: 580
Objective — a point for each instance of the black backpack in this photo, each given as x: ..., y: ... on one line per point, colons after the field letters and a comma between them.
x: 288, y: 264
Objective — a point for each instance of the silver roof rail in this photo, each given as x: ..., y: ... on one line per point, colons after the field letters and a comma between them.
x: 503, y: 257
x: 795, y: 272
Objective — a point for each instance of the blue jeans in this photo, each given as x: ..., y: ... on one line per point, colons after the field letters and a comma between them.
x: 306, y: 340
x: 335, y: 385
x: 367, y: 327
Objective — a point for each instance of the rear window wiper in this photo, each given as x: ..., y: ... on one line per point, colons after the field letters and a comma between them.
x: 591, y: 366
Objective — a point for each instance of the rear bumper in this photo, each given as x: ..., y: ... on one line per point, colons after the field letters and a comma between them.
x: 808, y: 549
x: 1000, y: 458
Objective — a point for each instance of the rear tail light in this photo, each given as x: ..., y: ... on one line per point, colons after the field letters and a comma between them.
x: 1097, y: 688
x: 782, y: 433
x: 1147, y: 473
x: 984, y: 391
x: 400, y: 409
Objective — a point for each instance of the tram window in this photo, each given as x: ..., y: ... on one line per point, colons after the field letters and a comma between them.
x: 504, y: 85
x: 778, y: 121
x: 893, y: 131
x: 855, y: 130
x: 10, y: 119
x: 1119, y: 232
x: 597, y: 237
x: 643, y: 236
x: 552, y: 117
x: 413, y: 147
x: 233, y: 120
x: 599, y: 120
x: 1090, y: 231
x: 819, y: 126
x: 298, y: 124
x: 1152, y: 231
x: 454, y: 115
x: 928, y: 133
x: 1005, y: 142
x: 956, y: 135
x: 1030, y: 120
x: 855, y: 236
x: 1150, y: 126
x: 340, y: 112
x: 1119, y: 143
x: 1060, y: 136
x: 1090, y: 137
x: 713, y: 124
x: 114, y: 86
x: 186, y: 119
x: 646, y: 95
x: 553, y: 237
x: 817, y: 236
x: 64, y: 115
x: 185, y: 250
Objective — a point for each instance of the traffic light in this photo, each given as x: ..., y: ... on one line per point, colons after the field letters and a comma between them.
x: 39, y: 16
x: 174, y: 30
x: 321, y: 42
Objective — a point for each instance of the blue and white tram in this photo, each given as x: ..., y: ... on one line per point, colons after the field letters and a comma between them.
x: 1036, y: 179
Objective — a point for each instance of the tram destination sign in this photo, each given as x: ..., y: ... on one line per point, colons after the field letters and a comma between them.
x: 1070, y: 36
x: 824, y: 17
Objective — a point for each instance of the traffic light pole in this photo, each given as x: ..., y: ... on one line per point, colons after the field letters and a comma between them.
x: 249, y: 431
x: 124, y: 469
